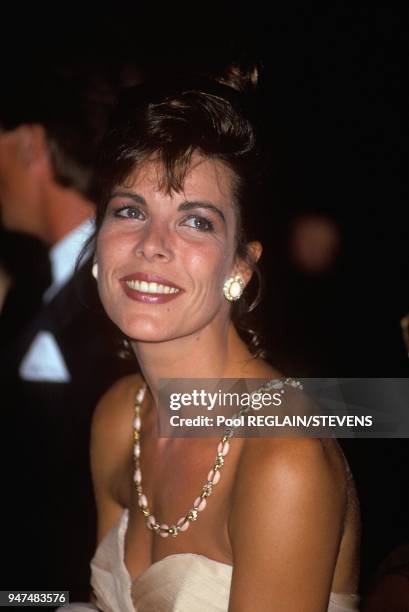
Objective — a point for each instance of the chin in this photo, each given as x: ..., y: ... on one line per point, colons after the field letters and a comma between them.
x: 148, y: 337
x: 146, y: 329
x: 162, y: 326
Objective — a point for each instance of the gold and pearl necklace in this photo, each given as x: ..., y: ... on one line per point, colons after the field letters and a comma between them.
x: 213, y: 476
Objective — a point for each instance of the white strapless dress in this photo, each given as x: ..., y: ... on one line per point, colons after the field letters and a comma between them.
x: 184, y: 582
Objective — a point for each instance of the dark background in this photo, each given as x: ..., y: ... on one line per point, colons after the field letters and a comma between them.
x: 331, y: 114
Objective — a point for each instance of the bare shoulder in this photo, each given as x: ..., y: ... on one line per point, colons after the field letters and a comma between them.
x: 292, y: 466
x: 111, y: 449
x: 287, y: 511
x: 111, y: 416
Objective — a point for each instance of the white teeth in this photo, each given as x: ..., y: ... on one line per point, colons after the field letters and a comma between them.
x: 145, y: 287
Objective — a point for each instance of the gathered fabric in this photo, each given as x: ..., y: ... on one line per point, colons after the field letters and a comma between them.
x: 177, y: 583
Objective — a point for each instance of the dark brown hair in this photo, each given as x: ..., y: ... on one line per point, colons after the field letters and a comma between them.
x: 168, y: 121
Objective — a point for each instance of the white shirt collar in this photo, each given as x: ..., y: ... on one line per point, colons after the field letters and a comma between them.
x: 63, y: 257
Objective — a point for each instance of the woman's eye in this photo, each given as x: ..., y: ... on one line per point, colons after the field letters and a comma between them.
x: 199, y: 223
x: 129, y: 212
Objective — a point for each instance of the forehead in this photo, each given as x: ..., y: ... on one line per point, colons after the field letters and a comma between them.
x: 205, y: 179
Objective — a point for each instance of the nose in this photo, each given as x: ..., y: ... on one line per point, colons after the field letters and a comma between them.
x: 154, y: 244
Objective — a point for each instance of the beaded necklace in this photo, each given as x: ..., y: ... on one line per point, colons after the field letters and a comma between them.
x: 213, y: 476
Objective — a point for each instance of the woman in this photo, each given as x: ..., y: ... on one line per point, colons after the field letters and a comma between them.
x: 280, y: 530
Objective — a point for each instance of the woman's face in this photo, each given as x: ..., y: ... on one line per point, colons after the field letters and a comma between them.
x: 163, y: 259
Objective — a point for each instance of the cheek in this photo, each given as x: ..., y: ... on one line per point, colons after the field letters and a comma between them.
x: 108, y: 254
x: 208, y: 268
x: 109, y: 248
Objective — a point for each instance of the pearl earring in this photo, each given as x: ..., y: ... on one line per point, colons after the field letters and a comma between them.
x: 94, y: 270
x: 233, y: 288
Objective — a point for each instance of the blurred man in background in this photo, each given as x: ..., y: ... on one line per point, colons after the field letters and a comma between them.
x: 58, y: 351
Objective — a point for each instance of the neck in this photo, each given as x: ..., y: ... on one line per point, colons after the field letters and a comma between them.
x: 210, y: 354
x: 66, y: 209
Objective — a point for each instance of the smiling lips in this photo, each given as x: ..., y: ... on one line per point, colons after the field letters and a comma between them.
x: 149, y: 288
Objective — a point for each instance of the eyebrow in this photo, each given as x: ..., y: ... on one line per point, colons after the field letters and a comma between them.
x: 191, y: 205
x: 129, y: 194
x: 188, y: 205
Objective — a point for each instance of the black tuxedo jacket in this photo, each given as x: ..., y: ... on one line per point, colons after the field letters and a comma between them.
x: 48, y: 513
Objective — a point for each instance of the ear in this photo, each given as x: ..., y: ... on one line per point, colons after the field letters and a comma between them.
x: 32, y: 145
x: 243, y: 266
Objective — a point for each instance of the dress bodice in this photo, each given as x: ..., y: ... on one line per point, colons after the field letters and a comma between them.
x: 183, y: 582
